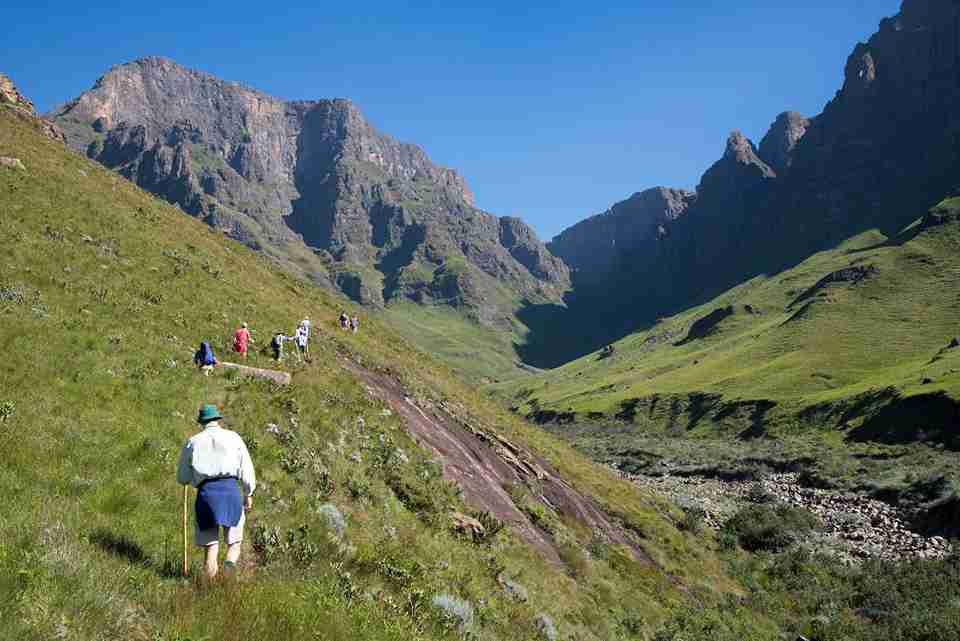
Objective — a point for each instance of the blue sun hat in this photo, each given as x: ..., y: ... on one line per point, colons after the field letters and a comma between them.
x: 208, y: 412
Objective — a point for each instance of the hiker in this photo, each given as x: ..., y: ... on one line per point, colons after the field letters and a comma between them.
x: 240, y: 340
x: 204, y: 358
x: 300, y: 337
x: 354, y: 324
x: 344, y: 320
x: 215, y: 461
x: 279, y: 338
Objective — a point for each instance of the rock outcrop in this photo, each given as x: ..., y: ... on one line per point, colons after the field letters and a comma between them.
x: 11, y: 98
x: 312, y: 184
x: 776, y: 148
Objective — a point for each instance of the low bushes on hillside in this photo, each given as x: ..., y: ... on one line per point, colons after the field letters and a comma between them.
x: 770, y: 527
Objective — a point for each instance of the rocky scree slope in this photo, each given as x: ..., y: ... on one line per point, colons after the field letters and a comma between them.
x: 887, y: 141
x: 312, y: 184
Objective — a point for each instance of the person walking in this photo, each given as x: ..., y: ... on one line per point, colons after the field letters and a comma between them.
x: 354, y: 324
x: 344, y: 320
x: 279, y: 338
x: 241, y: 338
x: 217, y: 463
x: 301, y: 337
x: 204, y: 358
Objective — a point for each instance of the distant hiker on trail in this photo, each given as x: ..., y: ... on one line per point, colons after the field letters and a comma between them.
x: 204, y: 358
x: 344, y: 320
x: 354, y: 324
x: 241, y: 338
x: 301, y: 337
x: 279, y: 338
x: 214, y: 461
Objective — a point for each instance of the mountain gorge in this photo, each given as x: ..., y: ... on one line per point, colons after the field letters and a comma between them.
x: 315, y: 186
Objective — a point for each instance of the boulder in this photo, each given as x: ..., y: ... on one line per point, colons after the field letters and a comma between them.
x: 12, y: 163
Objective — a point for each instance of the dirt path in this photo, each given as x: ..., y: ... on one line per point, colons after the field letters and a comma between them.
x: 484, y: 464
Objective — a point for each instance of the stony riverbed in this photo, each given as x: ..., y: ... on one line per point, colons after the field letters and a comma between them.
x: 855, y: 527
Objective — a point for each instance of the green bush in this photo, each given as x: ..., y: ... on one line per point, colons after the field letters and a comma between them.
x: 770, y: 528
x: 693, y: 519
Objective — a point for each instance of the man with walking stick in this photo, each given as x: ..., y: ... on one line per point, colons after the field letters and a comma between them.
x: 217, y: 463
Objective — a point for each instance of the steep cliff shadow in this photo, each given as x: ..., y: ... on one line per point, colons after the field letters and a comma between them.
x: 928, y: 418
x: 560, y: 333
x: 316, y: 180
x: 394, y: 260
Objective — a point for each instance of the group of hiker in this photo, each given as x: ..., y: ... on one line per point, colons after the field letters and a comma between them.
x: 217, y: 463
x: 206, y: 361
x: 300, y: 338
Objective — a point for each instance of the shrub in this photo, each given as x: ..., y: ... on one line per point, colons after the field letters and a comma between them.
x: 693, y: 519
x: 454, y: 613
x: 333, y: 519
x: 7, y: 410
x: 491, y: 527
x: 758, y: 494
x: 770, y: 527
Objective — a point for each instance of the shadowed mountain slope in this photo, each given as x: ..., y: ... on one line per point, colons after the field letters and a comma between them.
x: 885, y: 143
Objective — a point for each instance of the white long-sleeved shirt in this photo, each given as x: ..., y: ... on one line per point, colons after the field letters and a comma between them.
x: 214, y: 453
x: 302, y: 335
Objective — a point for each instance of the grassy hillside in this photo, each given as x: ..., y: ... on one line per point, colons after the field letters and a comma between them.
x: 104, y: 293
x: 478, y: 353
x: 844, y: 355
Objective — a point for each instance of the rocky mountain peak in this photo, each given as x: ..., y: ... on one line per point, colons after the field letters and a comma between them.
x: 737, y: 172
x: 311, y: 183
x: 776, y: 148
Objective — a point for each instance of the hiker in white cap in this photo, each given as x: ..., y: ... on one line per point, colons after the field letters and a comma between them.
x: 217, y: 463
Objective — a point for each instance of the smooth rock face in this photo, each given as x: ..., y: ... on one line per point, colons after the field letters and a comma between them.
x: 310, y: 183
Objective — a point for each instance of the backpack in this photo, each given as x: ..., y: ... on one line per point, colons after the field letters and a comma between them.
x: 276, y: 343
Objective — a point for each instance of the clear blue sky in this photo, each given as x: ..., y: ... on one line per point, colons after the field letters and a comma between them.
x: 551, y: 111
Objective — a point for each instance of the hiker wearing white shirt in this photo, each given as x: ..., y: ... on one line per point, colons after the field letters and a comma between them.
x: 301, y: 337
x: 217, y: 463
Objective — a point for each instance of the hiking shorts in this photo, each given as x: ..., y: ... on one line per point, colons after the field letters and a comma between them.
x: 204, y: 538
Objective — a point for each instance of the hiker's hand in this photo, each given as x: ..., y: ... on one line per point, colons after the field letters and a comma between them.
x: 248, y: 503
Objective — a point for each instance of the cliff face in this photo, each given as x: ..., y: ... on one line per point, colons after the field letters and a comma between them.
x: 627, y: 231
x: 884, y: 149
x: 311, y: 183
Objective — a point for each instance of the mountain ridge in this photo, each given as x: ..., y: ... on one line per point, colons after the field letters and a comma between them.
x: 312, y: 184
x: 885, y: 142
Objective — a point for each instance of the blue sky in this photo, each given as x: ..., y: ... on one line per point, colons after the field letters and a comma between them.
x: 551, y: 111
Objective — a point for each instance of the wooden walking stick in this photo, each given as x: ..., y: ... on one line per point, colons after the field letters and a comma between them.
x: 185, y: 494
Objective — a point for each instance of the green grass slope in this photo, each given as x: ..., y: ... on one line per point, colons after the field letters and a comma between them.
x: 104, y: 293
x: 843, y: 354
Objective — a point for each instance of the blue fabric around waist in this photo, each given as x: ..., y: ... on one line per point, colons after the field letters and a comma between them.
x: 218, y: 503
